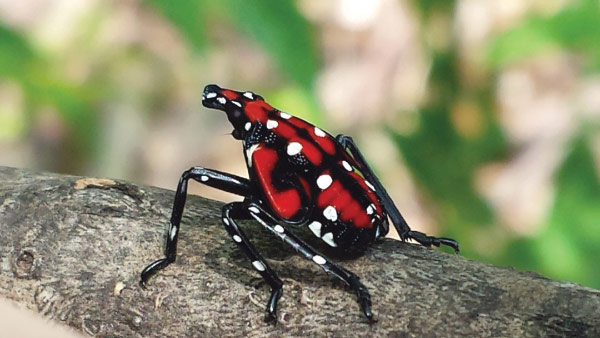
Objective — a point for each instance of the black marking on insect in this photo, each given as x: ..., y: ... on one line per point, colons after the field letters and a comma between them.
x: 301, y: 175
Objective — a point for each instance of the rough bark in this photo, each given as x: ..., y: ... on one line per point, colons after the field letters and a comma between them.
x: 72, y: 249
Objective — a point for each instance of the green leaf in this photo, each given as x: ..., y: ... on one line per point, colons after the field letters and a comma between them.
x: 575, y: 28
x: 527, y: 40
x: 444, y: 165
x: 429, y: 7
x: 186, y: 16
x: 569, y: 246
x: 284, y: 34
x: 443, y: 161
x: 24, y: 65
x: 16, y: 56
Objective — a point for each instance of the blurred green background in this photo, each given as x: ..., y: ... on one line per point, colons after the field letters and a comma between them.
x: 481, y: 117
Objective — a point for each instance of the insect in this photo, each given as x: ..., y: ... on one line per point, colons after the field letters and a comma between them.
x: 299, y: 175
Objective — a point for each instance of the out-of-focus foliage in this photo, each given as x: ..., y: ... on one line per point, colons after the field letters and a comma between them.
x: 441, y: 158
x: 444, y: 162
x: 189, y: 16
x: 275, y: 25
x: 280, y: 29
x: 568, y: 247
x: 458, y: 128
x: 574, y: 29
x: 44, y: 86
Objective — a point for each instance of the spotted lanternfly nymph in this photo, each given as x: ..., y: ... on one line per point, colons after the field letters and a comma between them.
x: 298, y: 175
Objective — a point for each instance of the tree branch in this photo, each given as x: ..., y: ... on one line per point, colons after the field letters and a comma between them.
x: 72, y: 249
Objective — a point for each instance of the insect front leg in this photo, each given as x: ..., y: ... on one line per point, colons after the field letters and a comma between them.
x: 347, y: 277
x: 213, y: 178
x: 399, y: 222
x: 238, y: 210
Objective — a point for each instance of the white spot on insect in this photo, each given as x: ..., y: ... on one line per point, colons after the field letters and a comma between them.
x: 294, y: 148
x: 272, y: 124
x: 249, y: 153
x: 237, y: 238
x: 279, y: 229
x: 203, y: 178
x: 173, y: 232
x: 237, y: 103
x: 347, y: 165
x: 247, y: 126
x: 315, y: 227
x: 319, y: 132
x: 211, y: 95
x: 330, y: 213
x: 370, y: 209
x: 284, y: 115
x: 369, y: 185
x: 226, y: 221
x: 328, y: 238
x: 221, y: 100
x: 319, y: 260
x: 324, y: 181
x: 253, y: 210
x: 258, y: 265
x: 377, y: 232
x: 249, y: 95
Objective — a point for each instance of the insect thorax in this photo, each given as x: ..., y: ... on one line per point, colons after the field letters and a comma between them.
x: 305, y: 176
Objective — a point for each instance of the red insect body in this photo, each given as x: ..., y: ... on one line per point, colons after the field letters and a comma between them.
x: 285, y: 202
x: 299, y: 175
x: 306, y: 176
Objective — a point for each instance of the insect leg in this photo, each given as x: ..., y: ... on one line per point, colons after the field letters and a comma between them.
x: 213, y: 178
x: 237, y: 210
x: 399, y: 222
x: 347, y: 277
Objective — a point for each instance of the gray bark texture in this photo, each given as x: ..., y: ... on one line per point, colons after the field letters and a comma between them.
x: 72, y: 248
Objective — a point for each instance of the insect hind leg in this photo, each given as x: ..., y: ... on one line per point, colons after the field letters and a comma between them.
x: 238, y: 210
x: 397, y: 219
x: 347, y: 277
